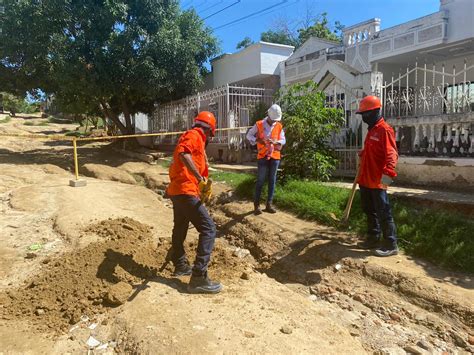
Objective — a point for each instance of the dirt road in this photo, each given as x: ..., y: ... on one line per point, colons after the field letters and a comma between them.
x: 86, y: 262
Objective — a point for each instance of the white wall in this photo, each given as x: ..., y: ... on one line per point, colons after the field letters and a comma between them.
x: 461, y: 17
x: 257, y: 59
x: 236, y: 67
x: 141, y: 123
x: 271, y: 57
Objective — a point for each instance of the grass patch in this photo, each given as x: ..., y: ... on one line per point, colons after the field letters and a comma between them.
x: 6, y: 119
x: 442, y: 237
x: 77, y: 134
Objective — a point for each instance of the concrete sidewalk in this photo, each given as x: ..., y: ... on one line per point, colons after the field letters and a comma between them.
x: 461, y: 201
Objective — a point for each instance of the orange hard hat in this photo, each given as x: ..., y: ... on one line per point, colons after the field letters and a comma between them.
x: 207, y: 118
x: 369, y: 103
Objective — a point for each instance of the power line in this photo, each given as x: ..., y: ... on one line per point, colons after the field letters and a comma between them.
x: 212, y: 6
x: 251, y: 15
x: 269, y: 11
x: 225, y: 8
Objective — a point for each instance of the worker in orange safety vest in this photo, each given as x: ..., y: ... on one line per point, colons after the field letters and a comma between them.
x: 269, y: 136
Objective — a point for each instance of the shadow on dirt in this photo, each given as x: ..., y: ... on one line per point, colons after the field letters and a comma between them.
x: 304, y: 259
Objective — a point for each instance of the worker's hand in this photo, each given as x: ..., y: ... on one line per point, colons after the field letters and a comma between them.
x: 260, y: 140
x: 386, y: 180
x: 205, y: 190
x: 202, y: 183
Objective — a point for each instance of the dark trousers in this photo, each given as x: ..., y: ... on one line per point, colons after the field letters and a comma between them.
x: 266, y: 169
x: 187, y: 209
x: 376, y: 206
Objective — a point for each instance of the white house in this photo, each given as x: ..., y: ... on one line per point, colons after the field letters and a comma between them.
x: 254, y: 66
x: 423, y: 70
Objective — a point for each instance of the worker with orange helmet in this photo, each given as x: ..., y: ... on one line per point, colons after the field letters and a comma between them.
x: 188, y: 178
x: 377, y: 170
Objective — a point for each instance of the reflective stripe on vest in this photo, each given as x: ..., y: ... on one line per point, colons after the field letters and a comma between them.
x: 274, y: 135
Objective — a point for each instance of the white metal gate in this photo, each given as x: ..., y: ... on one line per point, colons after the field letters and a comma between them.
x: 233, y: 106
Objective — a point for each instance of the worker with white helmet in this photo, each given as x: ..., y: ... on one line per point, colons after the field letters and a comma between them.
x: 269, y: 136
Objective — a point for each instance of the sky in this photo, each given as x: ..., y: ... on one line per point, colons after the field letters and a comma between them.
x: 223, y: 15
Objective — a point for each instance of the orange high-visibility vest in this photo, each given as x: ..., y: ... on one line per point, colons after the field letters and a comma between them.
x: 274, y: 135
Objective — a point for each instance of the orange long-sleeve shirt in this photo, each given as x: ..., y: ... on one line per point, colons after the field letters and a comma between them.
x: 379, y: 156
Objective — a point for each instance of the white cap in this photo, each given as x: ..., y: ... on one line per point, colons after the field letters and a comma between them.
x: 274, y: 112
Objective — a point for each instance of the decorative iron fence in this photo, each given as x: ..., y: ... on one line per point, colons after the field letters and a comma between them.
x: 233, y: 106
x: 422, y: 91
x: 432, y: 110
x: 348, y: 141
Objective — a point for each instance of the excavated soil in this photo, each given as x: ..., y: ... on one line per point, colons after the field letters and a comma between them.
x: 87, y: 282
x: 290, y: 286
x: 76, y: 284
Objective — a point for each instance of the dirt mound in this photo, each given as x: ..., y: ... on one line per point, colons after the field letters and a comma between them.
x: 88, y: 281
x: 104, y: 172
x: 78, y: 283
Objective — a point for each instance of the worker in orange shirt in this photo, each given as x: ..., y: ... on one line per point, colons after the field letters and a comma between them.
x: 377, y: 170
x: 188, y: 177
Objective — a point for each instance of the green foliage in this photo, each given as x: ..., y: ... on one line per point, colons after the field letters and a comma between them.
x: 308, y: 125
x: 279, y: 36
x: 313, y: 27
x: 247, y: 41
x: 444, y: 238
x: 107, y: 57
x: 16, y: 104
x: 259, y: 112
x: 320, y: 29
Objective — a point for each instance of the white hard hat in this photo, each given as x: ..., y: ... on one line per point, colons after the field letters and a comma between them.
x: 274, y: 112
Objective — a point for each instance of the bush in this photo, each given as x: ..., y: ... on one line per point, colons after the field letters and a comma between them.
x: 308, y: 126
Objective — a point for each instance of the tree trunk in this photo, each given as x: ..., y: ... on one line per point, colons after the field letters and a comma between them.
x: 111, y: 116
x: 128, y: 118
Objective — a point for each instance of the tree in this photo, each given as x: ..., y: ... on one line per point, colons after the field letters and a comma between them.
x: 279, y: 36
x: 320, y: 29
x: 247, y: 41
x: 308, y: 125
x: 296, y: 31
x: 118, y: 56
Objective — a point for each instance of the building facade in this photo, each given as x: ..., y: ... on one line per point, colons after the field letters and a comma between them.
x: 424, y: 72
x: 255, y: 66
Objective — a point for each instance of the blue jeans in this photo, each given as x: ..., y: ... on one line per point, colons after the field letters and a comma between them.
x: 187, y: 208
x: 266, y: 169
x: 376, y: 206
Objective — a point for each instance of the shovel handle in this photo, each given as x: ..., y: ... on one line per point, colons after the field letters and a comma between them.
x: 347, y: 211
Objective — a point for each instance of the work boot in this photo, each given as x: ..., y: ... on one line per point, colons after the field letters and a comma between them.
x: 388, y: 248
x: 257, y: 209
x: 202, y: 284
x: 183, y: 269
x: 386, y: 252
x: 269, y: 208
x: 369, y: 243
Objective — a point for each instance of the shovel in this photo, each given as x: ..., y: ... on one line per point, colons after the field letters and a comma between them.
x: 347, y: 211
